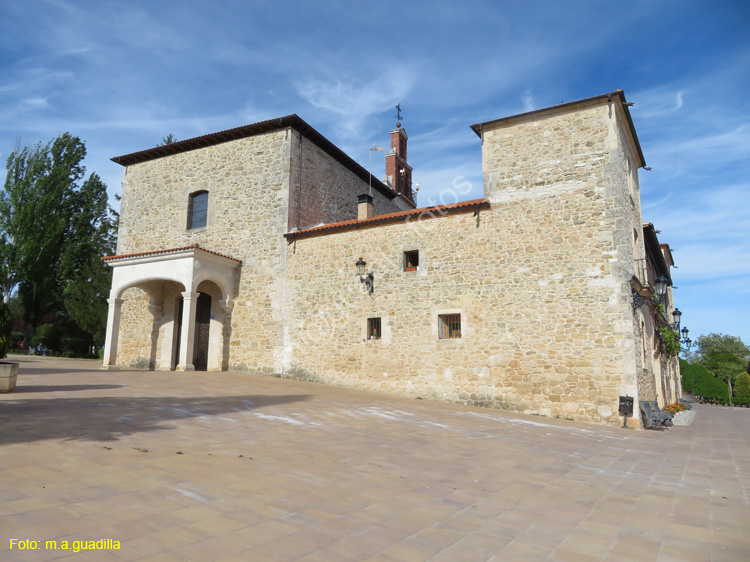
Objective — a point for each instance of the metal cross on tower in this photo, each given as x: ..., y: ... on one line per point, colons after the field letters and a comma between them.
x: 398, y: 114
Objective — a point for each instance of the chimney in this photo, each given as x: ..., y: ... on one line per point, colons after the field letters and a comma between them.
x: 397, y: 171
x: 365, y: 209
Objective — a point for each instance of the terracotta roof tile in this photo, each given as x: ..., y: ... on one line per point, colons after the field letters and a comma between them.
x: 168, y: 251
x: 433, y: 211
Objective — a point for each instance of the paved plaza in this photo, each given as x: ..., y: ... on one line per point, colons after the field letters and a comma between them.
x: 234, y: 466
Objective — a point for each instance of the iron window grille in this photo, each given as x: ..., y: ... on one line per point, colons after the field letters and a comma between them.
x: 449, y: 326
x: 373, y: 329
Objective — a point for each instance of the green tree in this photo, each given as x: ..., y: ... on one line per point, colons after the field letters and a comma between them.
x: 706, y: 344
x: 725, y: 366
x: 48, y: 221
x: 169, y: 139
x: 86, y: 279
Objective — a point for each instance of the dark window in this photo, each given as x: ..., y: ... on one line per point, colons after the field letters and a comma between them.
x: 198, y: 209
x: 449, y: 326
x: 373, y: 329
x: 411, y: 260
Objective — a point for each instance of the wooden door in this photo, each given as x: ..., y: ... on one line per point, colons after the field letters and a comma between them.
x: 202, y: 325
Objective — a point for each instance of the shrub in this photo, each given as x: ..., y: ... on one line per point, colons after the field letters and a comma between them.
x: 742, y: 387
x: 16, y: 338
x: 48, y: 335
x: 77, y: 346
x: 706, y: 385
x: 687, y: 381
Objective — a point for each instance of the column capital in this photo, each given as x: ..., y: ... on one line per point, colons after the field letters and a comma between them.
x: 227, y: 305
x: 115, y: 302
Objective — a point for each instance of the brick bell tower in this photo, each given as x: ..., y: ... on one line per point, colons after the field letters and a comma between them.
x: 397, y: 171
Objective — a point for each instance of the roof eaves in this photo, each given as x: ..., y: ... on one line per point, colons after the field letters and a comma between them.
x: 426, y: 212
x: 653, y: 248
x: 166, y: 252
x: 279, y: 123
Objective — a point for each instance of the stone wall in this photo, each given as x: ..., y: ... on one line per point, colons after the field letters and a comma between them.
x: 247, y: 180
x: 540, y: 281
x: 137, y: 339
x: 322, y: 190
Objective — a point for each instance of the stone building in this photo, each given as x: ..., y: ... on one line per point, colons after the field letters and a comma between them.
x: 267, y: 249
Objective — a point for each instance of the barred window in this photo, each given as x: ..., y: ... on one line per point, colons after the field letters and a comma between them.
x: 197, y: 209
x: 373, y: 329
x: 449, y: 326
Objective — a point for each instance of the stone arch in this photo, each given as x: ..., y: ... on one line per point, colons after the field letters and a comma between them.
x: 171, y: 279
x: 149, y: 321
x: 219, y: 325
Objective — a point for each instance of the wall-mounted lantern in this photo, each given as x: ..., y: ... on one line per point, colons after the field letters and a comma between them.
x: 660, y: 286
x: 677, y: 316
x: 368, y: 279
x: 685, y: 339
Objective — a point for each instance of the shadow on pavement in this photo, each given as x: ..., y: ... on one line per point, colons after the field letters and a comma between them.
x: 42, y: 369
x: 20, y: 389
x: 108, y: 418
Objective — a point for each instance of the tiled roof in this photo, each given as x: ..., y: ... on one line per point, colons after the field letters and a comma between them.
x: 477, y: 127
x: 268, y: 126
x: 168, y: 251
x: 431, y: 212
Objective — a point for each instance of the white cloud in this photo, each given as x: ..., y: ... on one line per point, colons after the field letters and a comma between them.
x: 353, y: 101
x: 528, y: 101
x: 34, y: 103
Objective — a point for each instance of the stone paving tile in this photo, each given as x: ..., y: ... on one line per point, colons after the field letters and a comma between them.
x: 233, y: 466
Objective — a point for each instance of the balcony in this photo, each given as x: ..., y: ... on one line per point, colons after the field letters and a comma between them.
x: 641, y: 272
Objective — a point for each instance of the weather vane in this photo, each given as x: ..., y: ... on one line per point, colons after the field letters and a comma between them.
x: 398, y: 115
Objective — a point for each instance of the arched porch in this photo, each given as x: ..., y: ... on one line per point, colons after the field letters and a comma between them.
x: 185, y: 296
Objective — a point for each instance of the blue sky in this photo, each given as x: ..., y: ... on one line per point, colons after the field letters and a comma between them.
x: 122, y: 75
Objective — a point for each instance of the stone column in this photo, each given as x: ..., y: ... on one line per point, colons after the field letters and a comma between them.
x: 113, y: 332
x: 187, y: 335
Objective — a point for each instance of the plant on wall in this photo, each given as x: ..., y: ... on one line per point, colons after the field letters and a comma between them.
x: 669, y: 340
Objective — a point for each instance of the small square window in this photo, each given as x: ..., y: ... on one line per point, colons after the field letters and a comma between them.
x: 449, y: 326
x: 411, y: 260
x: 373, y: 329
